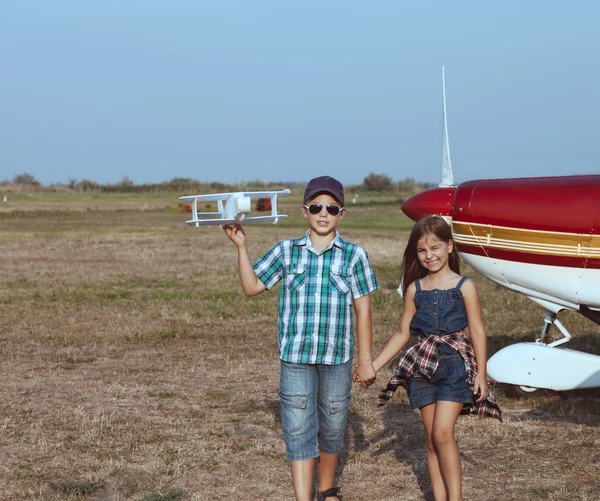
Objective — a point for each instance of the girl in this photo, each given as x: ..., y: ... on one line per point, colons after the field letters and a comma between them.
x: 444, y: 374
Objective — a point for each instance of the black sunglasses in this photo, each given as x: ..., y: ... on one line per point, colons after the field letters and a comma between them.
x: 315, y: 209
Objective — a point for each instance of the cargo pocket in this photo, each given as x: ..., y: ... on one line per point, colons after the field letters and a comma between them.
x: 293, y: 411
x: 339, y: 280
x: 295, y: 279
x: 338, y: 412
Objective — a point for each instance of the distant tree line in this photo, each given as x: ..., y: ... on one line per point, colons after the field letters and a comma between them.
x: 26, y: 182
x: 377, y: 183
x: 382, y: 183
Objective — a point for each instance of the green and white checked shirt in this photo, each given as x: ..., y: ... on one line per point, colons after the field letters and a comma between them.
x: 315, y: 300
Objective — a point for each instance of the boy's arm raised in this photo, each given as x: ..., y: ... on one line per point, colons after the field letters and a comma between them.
x: 401, y: 337
x: 251, y: 285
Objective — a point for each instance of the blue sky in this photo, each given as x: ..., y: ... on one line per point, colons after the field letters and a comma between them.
x: 284, y: 91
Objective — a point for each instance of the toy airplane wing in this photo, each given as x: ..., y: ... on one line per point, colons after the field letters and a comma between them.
x: 232, y: 208
x: 265, y: 194
x: 213, y: 197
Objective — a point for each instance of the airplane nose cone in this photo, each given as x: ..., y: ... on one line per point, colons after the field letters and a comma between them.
x: 434, y: 201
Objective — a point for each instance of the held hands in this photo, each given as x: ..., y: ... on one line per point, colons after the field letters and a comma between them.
x: 480, y: 387
x: 364, y: 374
x: 235, y: 233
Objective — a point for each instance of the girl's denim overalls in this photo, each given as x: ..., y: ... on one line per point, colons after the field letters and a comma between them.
x: 440, y: 312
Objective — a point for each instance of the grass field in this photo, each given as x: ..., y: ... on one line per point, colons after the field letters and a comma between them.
x: 134, y: 368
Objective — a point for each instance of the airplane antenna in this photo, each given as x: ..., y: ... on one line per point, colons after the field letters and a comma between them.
x: 447, y: 174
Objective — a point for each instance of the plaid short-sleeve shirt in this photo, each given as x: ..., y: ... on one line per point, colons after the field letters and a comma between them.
x: 315, y: 300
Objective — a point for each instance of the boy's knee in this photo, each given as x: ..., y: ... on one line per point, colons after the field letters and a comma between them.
x: 332, y: 424
x: 336, y: 414
x: 299, y: 426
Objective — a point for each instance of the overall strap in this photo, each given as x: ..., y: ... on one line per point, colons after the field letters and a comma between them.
x: 461, y: 281
x: 418, y: 284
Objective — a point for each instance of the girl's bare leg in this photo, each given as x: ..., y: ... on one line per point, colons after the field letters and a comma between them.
x: 439, y: 490
x: 444, y: 419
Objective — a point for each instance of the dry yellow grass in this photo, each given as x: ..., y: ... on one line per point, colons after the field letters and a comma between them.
x: 133, y: 368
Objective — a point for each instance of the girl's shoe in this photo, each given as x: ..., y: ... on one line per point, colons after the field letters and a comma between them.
x: 333, y: 492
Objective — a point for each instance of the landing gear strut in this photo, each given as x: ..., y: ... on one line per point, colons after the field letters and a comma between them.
x: 549, y: 320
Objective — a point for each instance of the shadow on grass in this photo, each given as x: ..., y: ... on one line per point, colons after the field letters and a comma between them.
x: 274, y: 405
x: 581, y: 407
x: 404, y: 435
x: 355, y: 435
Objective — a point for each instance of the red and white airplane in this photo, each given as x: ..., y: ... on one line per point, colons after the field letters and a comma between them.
x: 537, y: 236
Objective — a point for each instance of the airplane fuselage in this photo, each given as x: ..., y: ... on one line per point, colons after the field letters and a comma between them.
x: 537, y: 236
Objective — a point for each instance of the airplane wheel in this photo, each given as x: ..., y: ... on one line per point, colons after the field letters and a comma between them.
x: 513, y: 390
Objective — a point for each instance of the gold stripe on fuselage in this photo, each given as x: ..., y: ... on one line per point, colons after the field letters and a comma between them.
x: 530, y: 241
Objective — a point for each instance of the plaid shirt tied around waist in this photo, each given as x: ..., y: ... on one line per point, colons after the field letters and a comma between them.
x: 316, y: 297
x: 422, y: 359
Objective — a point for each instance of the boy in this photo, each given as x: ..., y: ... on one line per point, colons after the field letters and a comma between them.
x: 323, y: 277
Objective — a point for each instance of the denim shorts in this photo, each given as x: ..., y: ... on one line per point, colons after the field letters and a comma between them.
x: 314, y: 408
x: 448, y: 383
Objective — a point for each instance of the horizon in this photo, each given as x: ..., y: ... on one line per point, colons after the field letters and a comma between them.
x: 125, y: 180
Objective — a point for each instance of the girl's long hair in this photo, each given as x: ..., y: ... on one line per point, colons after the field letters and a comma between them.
x: 411, y: 267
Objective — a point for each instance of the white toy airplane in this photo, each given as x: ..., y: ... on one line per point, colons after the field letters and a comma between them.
x: 237, y: 208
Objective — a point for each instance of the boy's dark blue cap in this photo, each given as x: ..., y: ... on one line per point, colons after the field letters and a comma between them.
x: 325, y: 184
